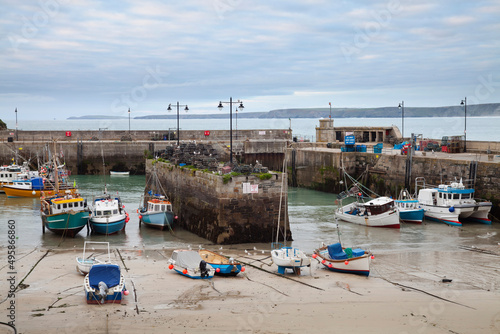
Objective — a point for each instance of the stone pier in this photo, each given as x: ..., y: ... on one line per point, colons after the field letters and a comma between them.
x: 226, y: 209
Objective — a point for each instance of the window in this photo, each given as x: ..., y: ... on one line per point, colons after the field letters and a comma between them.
x: 70, y: 205
x: 65, y: 205
x: 456, y: 196
x: 115, y: 211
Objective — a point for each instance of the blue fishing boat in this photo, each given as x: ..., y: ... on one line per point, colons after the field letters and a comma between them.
x: 104, y: 284
x: 156, y: 210
x: 223, y: 265
x: 409, y: 209
x: 108, y: 215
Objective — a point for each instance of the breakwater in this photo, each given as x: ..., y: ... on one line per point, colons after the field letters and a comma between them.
x: 226, y: 209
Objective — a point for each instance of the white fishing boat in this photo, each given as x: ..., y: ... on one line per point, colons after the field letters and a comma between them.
x: 451, y: 203
x: 344, y: 260
x: 86, y: 261
x: 362, y: 209
x: 107, y: 214
x: 287, y: 257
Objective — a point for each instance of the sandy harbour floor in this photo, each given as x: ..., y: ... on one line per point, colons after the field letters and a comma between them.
x: 401, y: 295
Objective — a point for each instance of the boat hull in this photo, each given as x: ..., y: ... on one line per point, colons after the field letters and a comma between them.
x: 114, y: 295
x: 158, y: 220
x: 68, y: 223
x: 387, y: 219
x: 223, y: 266
x: 109, y: 225
x: 415, y: 216
x: 359, y: 265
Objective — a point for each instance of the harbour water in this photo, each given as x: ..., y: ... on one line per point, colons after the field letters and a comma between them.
x: 310, y: 213
x: 478, y: 128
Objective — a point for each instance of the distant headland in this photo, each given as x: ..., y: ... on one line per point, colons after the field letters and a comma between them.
x: 477, y: 110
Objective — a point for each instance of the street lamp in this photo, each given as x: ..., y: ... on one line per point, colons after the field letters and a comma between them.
x: 16, y: 126
x: 185, y: 109
x: 129, y: 121
x: 402, y: 107
x: 220, y: 106
x: 330, y: 109
x: 464, y: 103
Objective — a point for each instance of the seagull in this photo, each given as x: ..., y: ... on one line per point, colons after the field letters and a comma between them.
x: 262, y: 251
x: 220, y: 248
x: 199, y: 247
x: 189, y: 247
x: 254, y: 248
x: 246, y: 252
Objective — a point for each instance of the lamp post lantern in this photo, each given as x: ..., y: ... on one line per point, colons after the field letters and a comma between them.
x: 220, y: 106
x: 464, y: 103
x: 186, y: 109
x: 402, y: 107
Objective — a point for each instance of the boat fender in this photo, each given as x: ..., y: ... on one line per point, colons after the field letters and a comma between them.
x: 451, y: 209
x: 203, y: 268
x: 103, y: 291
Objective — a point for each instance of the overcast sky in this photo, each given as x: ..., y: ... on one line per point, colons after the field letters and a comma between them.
x: 82, y: 57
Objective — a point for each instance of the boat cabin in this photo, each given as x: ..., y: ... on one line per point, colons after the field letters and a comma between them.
x: 159, y: 205
x: 67, y: 203
x: 106, y: 207
x: 379, y: 205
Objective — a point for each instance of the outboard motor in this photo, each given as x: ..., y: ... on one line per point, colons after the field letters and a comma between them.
x: 203, y: 268
x: 103, y: 292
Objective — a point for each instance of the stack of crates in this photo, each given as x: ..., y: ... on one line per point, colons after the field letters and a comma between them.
x: 360, y: 148
x: 378, y: 148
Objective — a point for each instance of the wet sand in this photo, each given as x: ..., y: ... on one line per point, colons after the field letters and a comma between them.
x: 403, y: 294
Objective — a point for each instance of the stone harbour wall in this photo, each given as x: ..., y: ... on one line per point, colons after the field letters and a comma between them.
x: 222, y: 212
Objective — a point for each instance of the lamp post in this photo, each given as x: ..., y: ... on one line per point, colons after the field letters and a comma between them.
x: 402, y: 107
x: 186, y: 109
x: 129, y: 121
x: 236, y: 123
x: 464, y: 103
x: 220, y: 106
x: 330, y: 109
x: 16, y: 126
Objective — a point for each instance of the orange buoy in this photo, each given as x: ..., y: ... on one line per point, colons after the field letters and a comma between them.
x: 171, y: 266
x: 185, y: 271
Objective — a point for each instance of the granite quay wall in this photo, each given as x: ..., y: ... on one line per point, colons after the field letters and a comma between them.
x: 146, y: 135
x: 321, y: 169
x: 217, y: 208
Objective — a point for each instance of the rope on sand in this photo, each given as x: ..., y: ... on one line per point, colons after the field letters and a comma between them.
x: 279, y: 275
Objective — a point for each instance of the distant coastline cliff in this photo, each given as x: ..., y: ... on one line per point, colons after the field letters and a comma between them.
x: 481, y: 110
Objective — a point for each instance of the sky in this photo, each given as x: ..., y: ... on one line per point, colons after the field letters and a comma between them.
x: 62, y: 58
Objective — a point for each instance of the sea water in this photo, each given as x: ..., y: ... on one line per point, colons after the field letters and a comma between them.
x: 311, y: 215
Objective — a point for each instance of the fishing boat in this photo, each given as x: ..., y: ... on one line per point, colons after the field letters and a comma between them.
x: 377, y: 212
x: 156, y: 210
x: 108, y: 215
x: 452, y: 203
x: 287, y: 257
x: 409, y: 209
x: 11, y: 173
x: 363, y: 209
x: 190, y: 264
x: 344, y: 260
x: 85, y: 262
x: 114, y: 173
x: 223, y: 265
x: 66, y: 215
x: 45, y: 183
x: 104, y: 284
